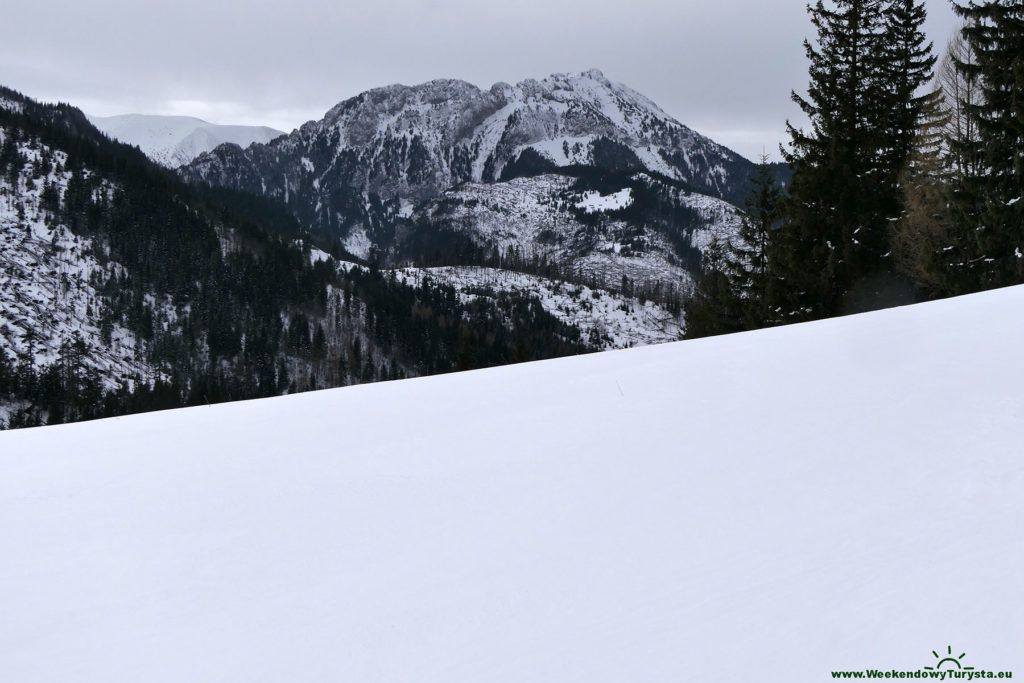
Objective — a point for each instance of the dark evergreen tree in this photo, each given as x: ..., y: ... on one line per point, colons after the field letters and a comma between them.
x: 747, y: 263
x: 866, y: 64
x: 907, y: 63
x: 991, y: 203
x: 464, y: 357
x: 834, y: 164
x: 714, y: 307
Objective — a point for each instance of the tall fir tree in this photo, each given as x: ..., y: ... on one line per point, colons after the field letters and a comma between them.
x: 748, y: 262
x: 909, y: 62
x: 714, y: 307
x: 866, y: 65
x: 991, y: 202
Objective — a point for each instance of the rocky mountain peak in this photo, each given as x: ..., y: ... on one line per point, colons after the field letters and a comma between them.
x: 407, y: 144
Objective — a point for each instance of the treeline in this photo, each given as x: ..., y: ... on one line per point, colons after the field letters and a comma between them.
x: 899, y: 192
x: 448, y: 248
x: 432, y: 329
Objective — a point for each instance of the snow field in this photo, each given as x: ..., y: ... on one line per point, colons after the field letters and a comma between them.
x: 595, y: 202
x: 768, y: 506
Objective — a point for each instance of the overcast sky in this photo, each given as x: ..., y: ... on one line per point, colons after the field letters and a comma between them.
x: 723, y: 67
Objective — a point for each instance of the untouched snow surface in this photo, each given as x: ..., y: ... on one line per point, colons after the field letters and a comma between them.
x: 770, y: 506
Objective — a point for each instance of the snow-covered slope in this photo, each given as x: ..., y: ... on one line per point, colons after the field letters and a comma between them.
x: 771, y: 506
x: 49, y: 298
x: 607, y: 320
x: 176, y: 140
x: 586, y: 232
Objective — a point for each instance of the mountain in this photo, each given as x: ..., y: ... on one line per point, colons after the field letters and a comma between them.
x: 399, y: 146
x: 445, y: 173
x: 770, y: 506
x: 124, y: 289
x: 176, y: 140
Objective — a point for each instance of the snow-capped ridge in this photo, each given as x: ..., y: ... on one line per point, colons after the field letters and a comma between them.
x: 375, y: 155
x: 414, y: 142
x: 176, y: 140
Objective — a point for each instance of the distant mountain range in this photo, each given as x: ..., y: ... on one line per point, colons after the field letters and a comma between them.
x: 172, y: 141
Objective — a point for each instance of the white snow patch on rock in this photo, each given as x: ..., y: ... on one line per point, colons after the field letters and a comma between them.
x: 595, y: 202
x: 358, y: 242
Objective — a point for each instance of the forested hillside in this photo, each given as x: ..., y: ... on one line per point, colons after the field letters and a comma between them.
x: 126, y: 290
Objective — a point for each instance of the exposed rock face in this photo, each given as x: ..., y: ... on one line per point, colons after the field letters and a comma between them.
x: 375, y: 155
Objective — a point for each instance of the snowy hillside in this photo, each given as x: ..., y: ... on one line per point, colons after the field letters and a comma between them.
x: 607, y: 321
x: 176, y: 140
x: 587, y: 233
x: 770, y: 506
x: 49, y: 298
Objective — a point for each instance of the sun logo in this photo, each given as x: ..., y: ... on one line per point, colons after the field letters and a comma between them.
x: 954, y: 662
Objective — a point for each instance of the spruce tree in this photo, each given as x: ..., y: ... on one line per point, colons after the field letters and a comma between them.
x: 714, y: 307
x: 907, y: 65
x: 868, y: 61
x: 747, y: 264
x: 991, y: 203
x: 831, y: 207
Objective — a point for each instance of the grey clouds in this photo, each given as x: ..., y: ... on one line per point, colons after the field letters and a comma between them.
x: 723, y: 67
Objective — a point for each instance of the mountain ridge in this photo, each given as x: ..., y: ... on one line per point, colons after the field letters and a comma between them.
x: 173, y: 141
x: 410, y: 143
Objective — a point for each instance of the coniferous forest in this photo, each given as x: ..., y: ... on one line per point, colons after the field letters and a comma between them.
x: 226, y: 303
x: 905, y: 186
